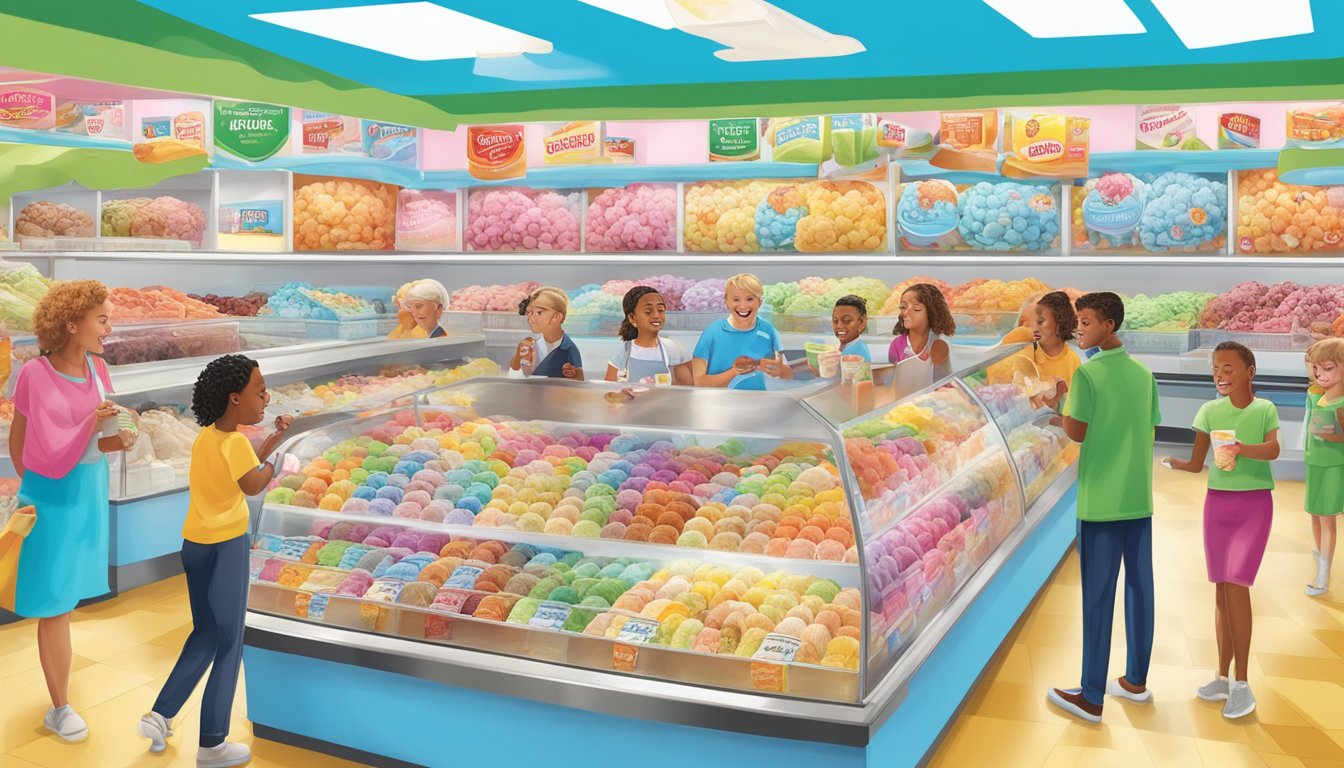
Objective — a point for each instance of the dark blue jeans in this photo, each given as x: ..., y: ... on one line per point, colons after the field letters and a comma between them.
x: 217, y: 590
x: 1102, y: 547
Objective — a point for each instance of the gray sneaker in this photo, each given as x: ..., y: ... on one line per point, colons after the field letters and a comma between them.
x: 1240, y: 700
x: 226, y: 755
x: 1214, y: 690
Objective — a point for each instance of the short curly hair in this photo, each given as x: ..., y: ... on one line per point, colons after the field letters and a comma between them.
x: 1107, y: 305
x: 222, y: 377
x: 67, y: 302
x: 1066, y: 320
x: 940, y: 315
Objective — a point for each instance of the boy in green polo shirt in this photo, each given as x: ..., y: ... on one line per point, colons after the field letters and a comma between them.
x: 1112, y: 410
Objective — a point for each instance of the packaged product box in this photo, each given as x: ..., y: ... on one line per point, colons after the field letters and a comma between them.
x: 165, y: 137
x: 799, y: 139
x: 1049, y: 145
x: 252, y: 226
x: 1237, y: 130
x: 389, y: 142
x: 571, y: 143
x: 734, y: 139
x: 496, y: 152
x: 1316, y: 126
x: 426, y: 220
x: 99, y: 119
x: 249, y: 130
x: 968, y: 141
x: 616, y: 149
x: 1166, y: 126
x: 27, y: 108
x: 905, y: 140
x: 853, y: 140
x: 325, y: 133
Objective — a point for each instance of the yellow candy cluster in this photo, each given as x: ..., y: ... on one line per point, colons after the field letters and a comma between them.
x: 343, y: 214
x: 1273, y: 217
x: 710, y: 228
x: 843, y: 216
x: 999, y: 296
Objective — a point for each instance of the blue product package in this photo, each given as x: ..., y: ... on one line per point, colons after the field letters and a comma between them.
x: 388, y: 141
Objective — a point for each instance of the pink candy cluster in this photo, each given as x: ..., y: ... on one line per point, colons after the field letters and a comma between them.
x: 705, y: 296
x: 522, y: 220
x: 1279, y: 308
x: 670, y: 287
x: 490, y: 298
x: 1115, y: 187
x: 641, y: 217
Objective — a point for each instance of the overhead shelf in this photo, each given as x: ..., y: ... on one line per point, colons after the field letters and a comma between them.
x: 1137, y: 161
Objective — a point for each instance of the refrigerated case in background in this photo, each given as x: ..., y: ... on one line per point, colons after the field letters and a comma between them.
x: 775, y: 564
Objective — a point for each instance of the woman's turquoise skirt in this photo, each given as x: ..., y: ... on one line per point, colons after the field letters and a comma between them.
x: 64, y: 558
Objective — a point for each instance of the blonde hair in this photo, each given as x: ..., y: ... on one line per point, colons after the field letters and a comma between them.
x: 551, y: 298
x: 425, y: 290
x: 1326, y: 350
x: 744, y: 282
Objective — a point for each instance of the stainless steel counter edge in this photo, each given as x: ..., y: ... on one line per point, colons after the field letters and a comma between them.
x: 590, y: 690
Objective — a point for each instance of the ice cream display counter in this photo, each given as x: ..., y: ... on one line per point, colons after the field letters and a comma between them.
x: 779, y: 565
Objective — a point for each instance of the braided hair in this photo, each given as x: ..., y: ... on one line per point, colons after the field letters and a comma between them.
x: 222, y: 377
x: 628, y: 331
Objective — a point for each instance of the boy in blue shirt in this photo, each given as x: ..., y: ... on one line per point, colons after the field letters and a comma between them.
x: 736, y: 351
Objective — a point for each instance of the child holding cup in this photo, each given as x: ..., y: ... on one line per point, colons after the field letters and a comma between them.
x: 1238, y: 510
x: 1324, y: 454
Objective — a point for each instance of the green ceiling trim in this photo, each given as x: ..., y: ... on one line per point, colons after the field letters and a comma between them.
x: 121, y: 41
x: 27, y: 167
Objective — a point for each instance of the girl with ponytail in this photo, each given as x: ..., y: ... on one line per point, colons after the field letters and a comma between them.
x: 644, y: 356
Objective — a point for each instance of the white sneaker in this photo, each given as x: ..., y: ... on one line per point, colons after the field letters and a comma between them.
x: 157, y: 729
x: 1240, y: 700
x: 66, y: 723
x: 1124, y: 689
x: 1214, y: 690
x: 228, y: 754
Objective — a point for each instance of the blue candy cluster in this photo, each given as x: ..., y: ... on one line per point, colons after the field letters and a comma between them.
x: 775, y: 231
x: 1008, y: 217
x: 1182, y: 211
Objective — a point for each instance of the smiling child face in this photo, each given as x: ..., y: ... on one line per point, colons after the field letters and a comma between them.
x: 742, y: 306
x: 847, y: 323
x: 1230, y: 372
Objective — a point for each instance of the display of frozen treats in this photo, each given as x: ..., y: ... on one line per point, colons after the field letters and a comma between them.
x: 1151, y: 212
x: 641, y: 217
x: 426, y: 220
x: 309, y: 302
x: 785, y: 216
x: 158, y: 302
x: 518, y: 219
x: 235, y: 306
x: 333, y: 214
x: 936, y: 214
x: 490, y: 298
x: 159, y: 217
x: 21, y: 287
x: 1273, y: 217
x: 354, y: 392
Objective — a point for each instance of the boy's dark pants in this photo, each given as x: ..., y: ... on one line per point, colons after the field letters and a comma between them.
x: 217, y: 589
x: 1101, y: 549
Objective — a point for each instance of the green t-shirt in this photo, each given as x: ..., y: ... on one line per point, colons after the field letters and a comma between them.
x: 1322, y: 453
x: 1116, y: 396
x: 1250, y: 424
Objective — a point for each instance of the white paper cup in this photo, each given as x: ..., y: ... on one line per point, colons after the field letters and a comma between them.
x: 828, y: 364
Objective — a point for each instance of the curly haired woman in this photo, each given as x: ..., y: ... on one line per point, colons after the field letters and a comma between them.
x: 58, y: 446
x: 925, y: 321
x: 229, y: 393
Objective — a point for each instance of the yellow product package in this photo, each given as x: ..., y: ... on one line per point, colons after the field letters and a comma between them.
x: 968, y: 141
x: 572, y: 143
x: 1046, y: 145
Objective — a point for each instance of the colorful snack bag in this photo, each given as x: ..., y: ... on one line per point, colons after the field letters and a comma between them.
x: 1046, y: 145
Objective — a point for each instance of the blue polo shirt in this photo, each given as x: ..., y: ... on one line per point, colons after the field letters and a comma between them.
x: 721, y: 344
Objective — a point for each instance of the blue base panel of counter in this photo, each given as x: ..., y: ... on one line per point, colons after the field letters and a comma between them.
x: 146, y: 540
x: 387, y: 719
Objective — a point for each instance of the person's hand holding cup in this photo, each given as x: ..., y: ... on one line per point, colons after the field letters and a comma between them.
x: 1225, y: 449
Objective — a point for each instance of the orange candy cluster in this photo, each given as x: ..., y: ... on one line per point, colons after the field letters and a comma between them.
x: 1273, y: 217
x: 343, y: 214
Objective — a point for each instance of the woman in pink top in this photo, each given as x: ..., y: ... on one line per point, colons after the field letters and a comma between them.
x: 60, y: 403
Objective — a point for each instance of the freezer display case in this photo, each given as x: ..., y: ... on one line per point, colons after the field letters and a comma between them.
x: 788, y: 547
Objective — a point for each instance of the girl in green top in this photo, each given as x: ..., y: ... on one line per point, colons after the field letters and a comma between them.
x: 1324, y: 454
x: 1238, y: 512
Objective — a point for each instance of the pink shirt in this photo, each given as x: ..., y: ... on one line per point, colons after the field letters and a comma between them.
x: 59, y: 413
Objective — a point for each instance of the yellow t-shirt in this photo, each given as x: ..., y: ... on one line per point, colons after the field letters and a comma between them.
x: 1060, y: 366
x: 217, y: 510
x: 1019, y: 335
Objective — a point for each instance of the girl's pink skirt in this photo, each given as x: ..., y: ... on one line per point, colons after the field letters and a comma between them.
x: 1236, y: 530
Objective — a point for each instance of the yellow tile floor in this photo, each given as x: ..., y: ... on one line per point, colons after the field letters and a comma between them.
x: 1296, y: 670
x: 125, y: 648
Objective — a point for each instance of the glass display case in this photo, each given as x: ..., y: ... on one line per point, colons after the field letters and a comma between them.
x: 786, y: 544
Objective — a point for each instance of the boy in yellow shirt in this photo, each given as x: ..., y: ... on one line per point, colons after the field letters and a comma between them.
x: 229, y: 393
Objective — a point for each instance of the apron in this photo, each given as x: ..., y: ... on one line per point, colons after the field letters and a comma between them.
x: 553, y: 365
x: 637, y: 371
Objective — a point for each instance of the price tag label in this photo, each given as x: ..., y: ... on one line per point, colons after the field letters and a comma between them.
x: 637, y: 631
x: 624, y: 657
x: 767, y: 676
x: 449, y: 601
x: 776, y: 647
x: 301, y: 601
x: 550, y: 616
x: 438, y: 627
x: 464, y: 577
